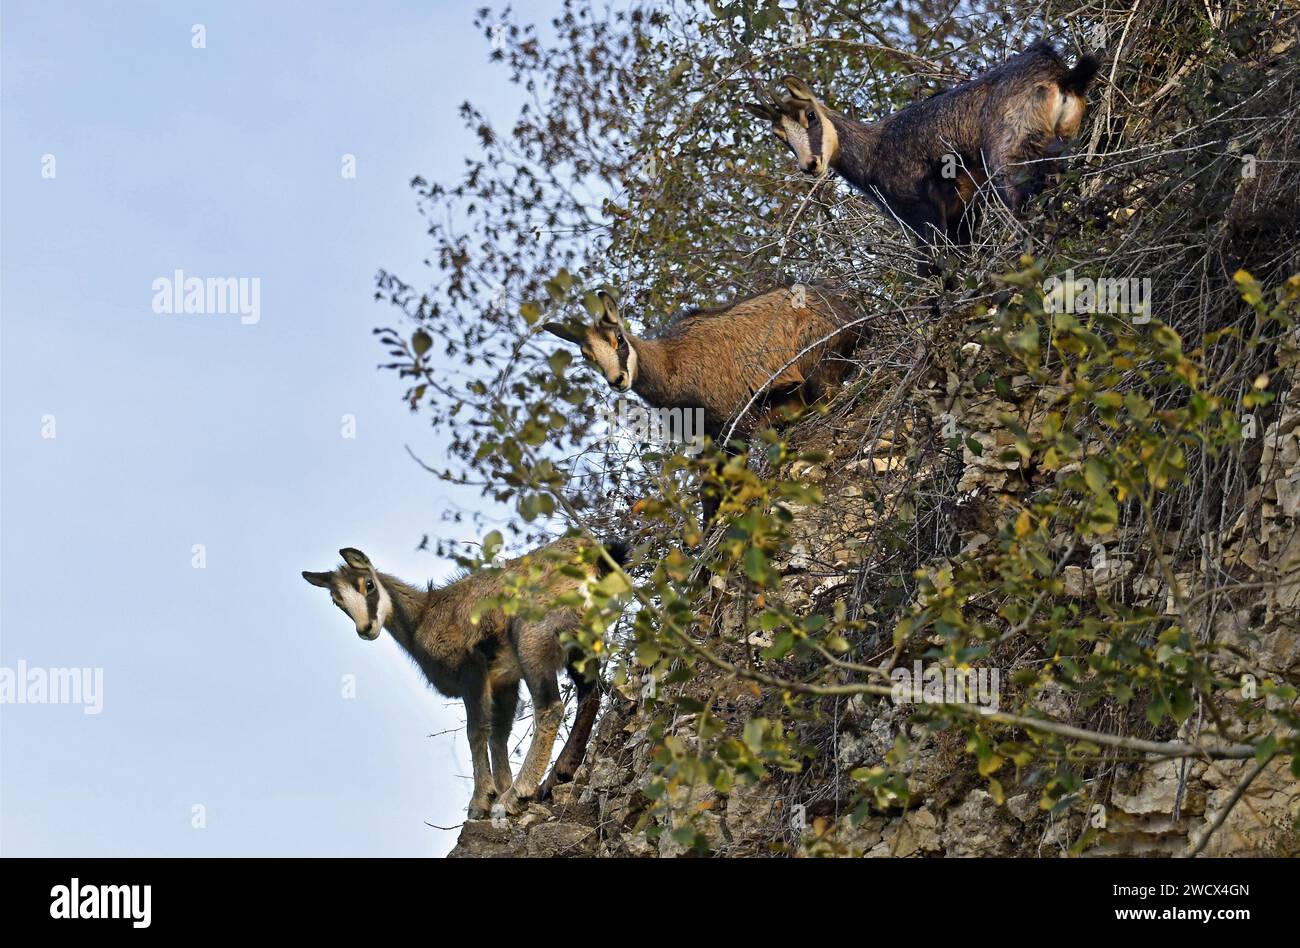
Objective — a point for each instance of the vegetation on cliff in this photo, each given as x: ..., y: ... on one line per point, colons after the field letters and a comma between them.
x: 1077, y: 464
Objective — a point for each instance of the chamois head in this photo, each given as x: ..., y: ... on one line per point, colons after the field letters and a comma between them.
x: 803, y: 123
x: 605, y: 343
x: 358, y: 590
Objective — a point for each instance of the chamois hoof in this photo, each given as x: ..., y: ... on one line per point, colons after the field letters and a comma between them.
x: 512, y: 803
x: 478, y: 810
x: 549, y: 784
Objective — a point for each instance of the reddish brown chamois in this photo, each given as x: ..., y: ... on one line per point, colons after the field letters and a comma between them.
x: 743, y: 366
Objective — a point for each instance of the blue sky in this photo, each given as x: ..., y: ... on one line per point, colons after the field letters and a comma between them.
x: 223, y: 686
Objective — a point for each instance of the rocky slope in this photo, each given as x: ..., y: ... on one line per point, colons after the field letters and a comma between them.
x: 1159, y: 808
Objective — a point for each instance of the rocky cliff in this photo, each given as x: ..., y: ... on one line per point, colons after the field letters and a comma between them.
x: 1163, y: 807
x: 974, y: 424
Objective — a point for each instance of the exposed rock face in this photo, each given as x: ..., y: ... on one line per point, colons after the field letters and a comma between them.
x: 1262, y: 822
x: 1153, y: 809
x: 483, y: 838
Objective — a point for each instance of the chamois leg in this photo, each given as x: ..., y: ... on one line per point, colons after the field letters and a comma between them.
x: 548, y: 712
x: 538, y: 648
x: 961, y: 229
x: 504, y: 703
x: 928, y: 228
x: 1010, y: 180
x: 931, y: 266
x: 477, y: 708
x: 566, y: 765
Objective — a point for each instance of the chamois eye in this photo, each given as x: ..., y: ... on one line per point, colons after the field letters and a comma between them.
x: 370, y: 585
x: 618, y: 337
x: 812, y: 118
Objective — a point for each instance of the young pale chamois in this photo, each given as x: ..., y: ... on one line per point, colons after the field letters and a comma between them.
x: 923, y: 164
x: 482, y: 662
x: 787, y: 346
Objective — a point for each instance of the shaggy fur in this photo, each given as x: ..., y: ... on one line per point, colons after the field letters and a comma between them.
x: 483, y: 662
x: 718, y: 360
x: 923, y: 164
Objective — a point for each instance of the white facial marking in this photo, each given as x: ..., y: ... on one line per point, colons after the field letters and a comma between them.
x: 797, y: 136
x: 607, y: 360
x: 354, y: 604
x: 384, y: 608
x: 631, y: 365
x: 830, y: 139
x: 800, y: 140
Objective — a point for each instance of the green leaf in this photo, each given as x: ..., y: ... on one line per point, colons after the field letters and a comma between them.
x: 780, y: 647
x: 756, y: 564
x: 1094, y: 472
x: 559, y: 360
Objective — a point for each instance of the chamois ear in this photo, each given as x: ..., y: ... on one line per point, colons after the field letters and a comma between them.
x: 317, y: 579
x: 564, y: 332
x: 767, y: 113
x: 355, y: 558
x: 609, y: 312
x: 798, y: 88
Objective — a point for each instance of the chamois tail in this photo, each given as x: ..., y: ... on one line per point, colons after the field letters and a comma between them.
x: 1076, y: 80
x: 618, y: 551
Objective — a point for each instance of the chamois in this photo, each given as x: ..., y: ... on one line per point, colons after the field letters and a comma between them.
x: 771, y: 351
x: 923, y: 164
x: 719, y: 359
x: 482, y: 661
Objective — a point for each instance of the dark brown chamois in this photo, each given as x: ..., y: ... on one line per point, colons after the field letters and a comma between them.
x: 923, y: 164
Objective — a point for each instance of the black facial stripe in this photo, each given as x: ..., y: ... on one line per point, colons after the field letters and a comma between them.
x: 372, y: 602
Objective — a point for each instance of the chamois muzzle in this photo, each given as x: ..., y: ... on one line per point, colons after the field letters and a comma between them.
x: 370, y: 633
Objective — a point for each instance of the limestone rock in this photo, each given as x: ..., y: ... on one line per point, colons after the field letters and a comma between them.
x: 916, y: 833
x: 977, y: 827
x: 561, y: 839
x: 1156, y: 789
x: 480, y: 839
x: 752, y: 810
x: 1261, y: 822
